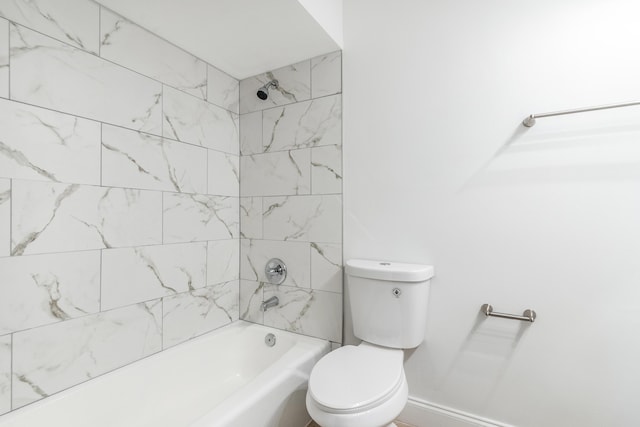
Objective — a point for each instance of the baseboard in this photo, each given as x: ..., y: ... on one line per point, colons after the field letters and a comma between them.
x: 421, y: 413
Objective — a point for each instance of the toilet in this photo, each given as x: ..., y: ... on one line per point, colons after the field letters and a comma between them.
x: 365, y: 385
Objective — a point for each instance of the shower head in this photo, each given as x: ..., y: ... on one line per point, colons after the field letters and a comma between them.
x: 263, y: 92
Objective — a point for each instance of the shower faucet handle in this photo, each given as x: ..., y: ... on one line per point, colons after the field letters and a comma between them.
x: 276, y: 271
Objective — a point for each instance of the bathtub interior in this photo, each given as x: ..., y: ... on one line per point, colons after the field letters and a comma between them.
x: 175, y: 387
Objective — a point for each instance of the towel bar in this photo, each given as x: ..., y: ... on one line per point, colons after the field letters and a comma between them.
x: 527, y: 316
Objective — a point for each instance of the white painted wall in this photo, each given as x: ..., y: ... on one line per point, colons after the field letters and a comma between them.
x: 438, y: 170
x: 328, y: 13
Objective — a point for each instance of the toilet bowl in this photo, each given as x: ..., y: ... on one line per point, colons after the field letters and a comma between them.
x: 365, y: 385
x: 358, y: 386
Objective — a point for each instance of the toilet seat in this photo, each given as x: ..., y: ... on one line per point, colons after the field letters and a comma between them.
x: 356, y: 378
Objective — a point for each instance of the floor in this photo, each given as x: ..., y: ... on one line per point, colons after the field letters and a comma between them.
x: 398, y: 423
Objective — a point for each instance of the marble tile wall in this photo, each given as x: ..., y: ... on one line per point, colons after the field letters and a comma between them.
x: 291, y: 196
x: 119, y: 196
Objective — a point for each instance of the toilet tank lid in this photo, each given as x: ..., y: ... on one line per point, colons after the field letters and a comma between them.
x: 387, y: 270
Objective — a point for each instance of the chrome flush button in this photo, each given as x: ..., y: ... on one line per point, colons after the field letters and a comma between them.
x: 396, y: 292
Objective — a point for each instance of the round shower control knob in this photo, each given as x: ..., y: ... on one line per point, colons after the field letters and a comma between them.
x: 276, y: 271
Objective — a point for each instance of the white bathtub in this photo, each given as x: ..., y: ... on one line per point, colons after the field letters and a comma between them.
x: 229, y: 377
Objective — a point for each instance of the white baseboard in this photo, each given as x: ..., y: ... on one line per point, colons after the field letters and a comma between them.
x: 421, y: 413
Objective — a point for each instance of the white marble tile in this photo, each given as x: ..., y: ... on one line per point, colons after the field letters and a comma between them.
x: 133, y: 275
x: 38, y: 290
x: 5, y: 217
x: 250, y: 299
x: 4, y: 58
x: 138, y: 160
x: 223, y: 261
x: 223, y: 90
x: 197, y: 217
x: 305, y: 124
x: 305, y: 311
x: 196, y: 312
x: 305, y: 218
x: 54, y: 357
x: 189, y: 119
x: 326, y: 74
x: 251, y: 217
x: 125, y: 43
x: 74, y: 22
x: 294, y: 86
x: 50, y: 217
x: 45, y: 145
x: 326, y: 267
x: 256, y: 253
x: 224, y: 174
x: 276, y: 174
x: 251, y: 133
x: 51, y: 74
x: 326, y: 169
x: 5, y: 374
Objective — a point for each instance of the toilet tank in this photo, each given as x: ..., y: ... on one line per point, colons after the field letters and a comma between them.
x: 388, y: 301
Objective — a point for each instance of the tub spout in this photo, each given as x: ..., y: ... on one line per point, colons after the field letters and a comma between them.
x: 271, y: 302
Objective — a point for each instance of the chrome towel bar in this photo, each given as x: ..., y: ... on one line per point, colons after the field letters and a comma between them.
x: 527, y: 316
x: 531, y: 119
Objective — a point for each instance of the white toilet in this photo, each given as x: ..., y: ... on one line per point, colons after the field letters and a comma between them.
x: 365, y: 385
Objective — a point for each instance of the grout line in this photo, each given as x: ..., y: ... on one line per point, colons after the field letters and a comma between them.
x: 162, y: 324
x: 162, y: 219
x: 11, y: 209
x: 159, y: 37
x: 116, y: 125
x: 75, y: 251
x: 86, y: 315
x: 162, y: 113
x: 261, y: 217
x: 311, y: 79
x: 101, y: 150
x: 9, y: 58
x: 100, y: 30
x: 98, y: 56
x: 208, y: 190
x: 206, y: 263
x: 100, y: 281
x: 292, y: 103
x: 11, y: 374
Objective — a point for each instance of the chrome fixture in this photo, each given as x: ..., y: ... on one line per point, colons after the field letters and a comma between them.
x: 271, y: 302
x: 531, y: 119
x: 270, y: 340
x: 276, y: 271
x: 527, y: 316
x: 263, y: 92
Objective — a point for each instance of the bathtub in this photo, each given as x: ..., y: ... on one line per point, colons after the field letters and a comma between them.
x: 228, y: 377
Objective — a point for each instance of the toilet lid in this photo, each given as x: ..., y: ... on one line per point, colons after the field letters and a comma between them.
x: 351, y: 377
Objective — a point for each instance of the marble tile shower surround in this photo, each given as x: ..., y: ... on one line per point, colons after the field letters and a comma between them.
x: 119, y: 196
x: 291, y: 196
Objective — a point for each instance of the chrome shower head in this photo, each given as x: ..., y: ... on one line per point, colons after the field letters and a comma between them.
x: 263, y: 92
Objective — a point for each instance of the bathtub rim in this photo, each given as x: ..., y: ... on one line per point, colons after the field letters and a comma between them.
x: 240, y: 325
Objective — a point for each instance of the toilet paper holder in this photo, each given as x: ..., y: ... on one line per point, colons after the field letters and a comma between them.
x: 528, y: 315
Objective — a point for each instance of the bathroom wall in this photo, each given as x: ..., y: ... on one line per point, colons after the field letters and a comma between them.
x: 119, y: 208
x: 291, y: 196
x: 439, y: 170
